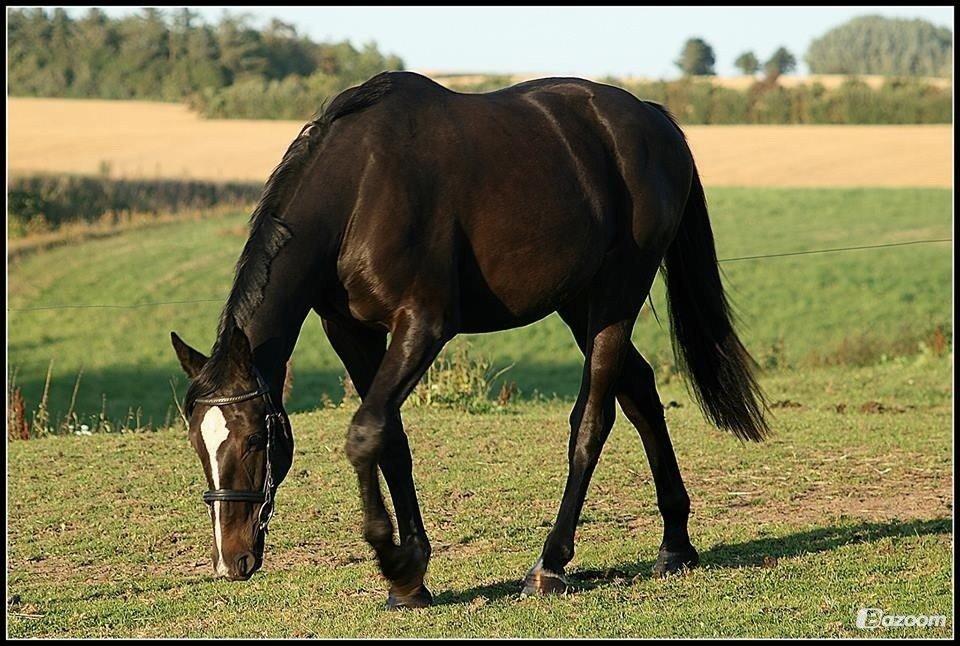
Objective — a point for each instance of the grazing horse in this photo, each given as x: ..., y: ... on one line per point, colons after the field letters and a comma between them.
x: 413, y: 211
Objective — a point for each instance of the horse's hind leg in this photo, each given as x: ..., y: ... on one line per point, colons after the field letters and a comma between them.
x: 376, y: 438
x: 603, y: 340
x: 637, y: 393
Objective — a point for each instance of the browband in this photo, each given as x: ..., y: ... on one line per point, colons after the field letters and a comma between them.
x: 232, y: 399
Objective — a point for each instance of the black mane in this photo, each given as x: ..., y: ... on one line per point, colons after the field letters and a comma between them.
x: 269, y: 233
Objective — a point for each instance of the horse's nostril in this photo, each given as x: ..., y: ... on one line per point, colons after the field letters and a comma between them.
x: 246, y: 563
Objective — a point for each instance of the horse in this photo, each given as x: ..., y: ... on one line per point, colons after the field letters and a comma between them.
x: 410, y: 212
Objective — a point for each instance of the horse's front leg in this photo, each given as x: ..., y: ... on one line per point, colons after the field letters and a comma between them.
x: 362, y: 350
x: 375, y: 438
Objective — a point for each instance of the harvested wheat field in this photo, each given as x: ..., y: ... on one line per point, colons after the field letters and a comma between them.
x: 824, y: 156
x: 146, y: 139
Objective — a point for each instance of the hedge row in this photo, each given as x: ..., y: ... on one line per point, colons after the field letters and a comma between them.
x: 45, y: 202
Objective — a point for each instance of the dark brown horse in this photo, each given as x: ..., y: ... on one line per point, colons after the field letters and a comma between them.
x: 412, y: 211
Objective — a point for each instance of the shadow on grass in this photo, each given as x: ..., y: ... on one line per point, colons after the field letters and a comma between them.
x: 753, y: 553
x: 119, y: 390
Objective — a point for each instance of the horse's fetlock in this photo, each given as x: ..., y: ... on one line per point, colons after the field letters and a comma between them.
x: 675, y: 508
x: 425, y: 547
x: 557, y: 553
x: 419, y: 547
x: 377, y: 533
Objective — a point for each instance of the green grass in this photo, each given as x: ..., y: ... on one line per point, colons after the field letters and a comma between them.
x: 839, y: 510
x: 852, y: 307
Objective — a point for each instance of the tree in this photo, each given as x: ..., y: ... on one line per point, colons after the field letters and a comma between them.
x: 241, y: 48
x: 747, y: 63
x: 287, y: 52
x: 144, y: 54
x: 782, y: 62
x: 93, y: 49
x: 174, y: 55
x: 879, y: 45
x: 696, y: 59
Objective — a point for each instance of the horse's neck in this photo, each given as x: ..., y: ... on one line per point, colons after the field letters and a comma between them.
x: 273, y: 329
x: 273, y: 337
x: 288, y: 295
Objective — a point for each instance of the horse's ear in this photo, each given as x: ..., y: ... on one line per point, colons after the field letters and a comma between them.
x: 240, y: 353
x: 191, y: 360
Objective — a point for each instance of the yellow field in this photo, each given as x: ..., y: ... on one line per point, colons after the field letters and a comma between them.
x: 144, y: 139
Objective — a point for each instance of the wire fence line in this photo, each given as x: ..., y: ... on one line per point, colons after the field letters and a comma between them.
x: 831, y: 250
x: 806, y: 252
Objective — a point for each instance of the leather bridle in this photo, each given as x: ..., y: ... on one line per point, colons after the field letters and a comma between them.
x: 274, y: 418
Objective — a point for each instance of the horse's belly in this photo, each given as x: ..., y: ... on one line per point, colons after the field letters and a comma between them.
x: 516, y: 278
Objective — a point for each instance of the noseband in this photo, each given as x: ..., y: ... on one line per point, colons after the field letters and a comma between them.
x: 274, y: 418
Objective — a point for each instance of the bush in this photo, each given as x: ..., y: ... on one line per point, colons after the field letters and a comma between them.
x: 694, y: 101
x: 488, y: 83
x: 701, y: 102
x: 460, y: 380
x: 294, y: 97
x: 41, y: 203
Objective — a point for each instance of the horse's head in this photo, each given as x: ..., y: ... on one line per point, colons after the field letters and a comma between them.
x: 245, y: 446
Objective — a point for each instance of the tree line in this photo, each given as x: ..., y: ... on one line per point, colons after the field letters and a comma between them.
x: 172, y: 56
x: 863, y: 45
x: 231, y: 69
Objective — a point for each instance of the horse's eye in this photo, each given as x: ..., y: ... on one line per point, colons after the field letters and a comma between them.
x: 255, y: 442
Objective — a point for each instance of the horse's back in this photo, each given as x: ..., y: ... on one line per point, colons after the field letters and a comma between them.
x: 522, y: 194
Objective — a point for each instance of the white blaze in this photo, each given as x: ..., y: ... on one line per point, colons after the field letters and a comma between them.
x: 214, y: 431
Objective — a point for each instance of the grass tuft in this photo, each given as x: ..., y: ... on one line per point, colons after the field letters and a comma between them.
x: 463, y: 380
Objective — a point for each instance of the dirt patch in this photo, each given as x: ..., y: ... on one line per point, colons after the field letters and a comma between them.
x: 899, y: 506
x: 786, y: 403
x: 871, y: 408
x: 879, y: 408
x: 923, y: 501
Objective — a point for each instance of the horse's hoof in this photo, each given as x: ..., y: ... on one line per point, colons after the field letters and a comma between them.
x: 421, y: 598
x: 670, y: 562
x: 543, y: 581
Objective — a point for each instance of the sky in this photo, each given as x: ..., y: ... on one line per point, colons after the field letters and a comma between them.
x: 583, y: 41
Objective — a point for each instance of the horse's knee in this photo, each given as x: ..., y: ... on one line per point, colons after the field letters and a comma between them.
x: 364, y: 439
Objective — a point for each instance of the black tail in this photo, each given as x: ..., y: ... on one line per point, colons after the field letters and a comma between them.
x: 705, y: 343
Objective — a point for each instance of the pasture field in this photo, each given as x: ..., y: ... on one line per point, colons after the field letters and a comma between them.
x: 154, y: 140
x: 854, y: 307
x: 849, y: 505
